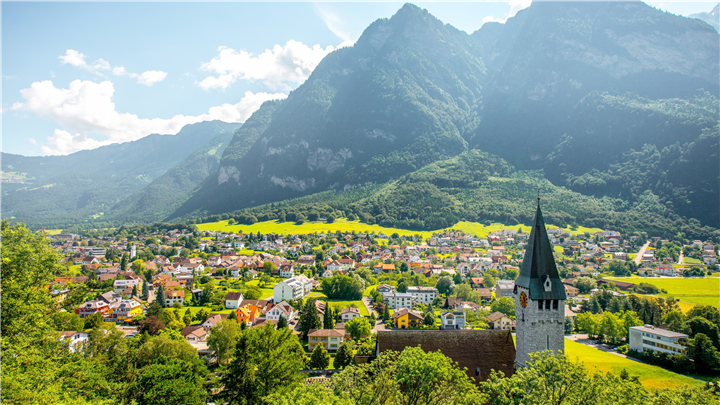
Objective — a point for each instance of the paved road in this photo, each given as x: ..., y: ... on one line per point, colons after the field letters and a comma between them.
x: 638, y: 258
x: 367, y: 302
x: 681, y: 259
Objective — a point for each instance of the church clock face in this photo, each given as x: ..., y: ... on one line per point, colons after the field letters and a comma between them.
x: 523, y: 299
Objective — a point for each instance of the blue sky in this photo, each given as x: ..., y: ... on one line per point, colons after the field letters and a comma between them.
x: 80, y: 75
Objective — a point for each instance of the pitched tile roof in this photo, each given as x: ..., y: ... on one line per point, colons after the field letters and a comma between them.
x: 477, y: 350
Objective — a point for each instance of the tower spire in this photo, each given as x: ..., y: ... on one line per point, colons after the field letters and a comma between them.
x: 539, y: 263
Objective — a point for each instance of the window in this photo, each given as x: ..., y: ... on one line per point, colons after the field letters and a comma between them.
x: 555, y: 305
x: 540, y: 305
x: 547, y: 305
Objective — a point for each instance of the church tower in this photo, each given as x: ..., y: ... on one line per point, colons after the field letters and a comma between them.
x: 539, y: 298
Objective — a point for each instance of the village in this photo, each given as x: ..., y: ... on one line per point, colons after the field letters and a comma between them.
x: 357, y: 284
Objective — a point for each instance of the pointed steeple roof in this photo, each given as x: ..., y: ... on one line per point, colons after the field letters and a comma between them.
x: 539, y: 264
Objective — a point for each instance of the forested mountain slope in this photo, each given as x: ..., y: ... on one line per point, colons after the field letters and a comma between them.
x: 610, y: 99
x: 50, y: 191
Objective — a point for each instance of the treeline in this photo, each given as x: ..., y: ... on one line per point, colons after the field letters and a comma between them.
x: 477, y: 187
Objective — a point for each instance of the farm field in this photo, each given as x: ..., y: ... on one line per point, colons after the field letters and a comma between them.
x: 288, y: 228
x: 696, y: 290
x: 651, y: 377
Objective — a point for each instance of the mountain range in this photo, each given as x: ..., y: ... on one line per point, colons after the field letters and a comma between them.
x: 611, y: 108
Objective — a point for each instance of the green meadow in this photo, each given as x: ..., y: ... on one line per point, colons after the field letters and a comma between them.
x: 652, y: 377
x: 694, y: 290
x: 290, y: 228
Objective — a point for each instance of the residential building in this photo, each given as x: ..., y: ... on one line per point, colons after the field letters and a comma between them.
x: 383, y: 288
x: 349, y: 313
x: 93, y: 307
x: 331, y: 339
x: 194, y: 334
x: 126, y: 310
x: 233, y: 300
x: 287, y: 271
x: 121, y: 285
x: 287, y: 290
x: 173, y: 296
x: 652, y: 338
x: 73, y: 338
x: 498, y: 320
x: 282, y: 309
x: 452, y: 320
x: 407, y: 318
x: 504, y: 288
x: 397, y: 300
x: 422, y: 295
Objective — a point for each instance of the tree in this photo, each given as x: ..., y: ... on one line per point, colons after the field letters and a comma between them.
x: 309, y: 318
x: 187, y: 317
x: 134, y: 291
x: 160, y: 295
x: 328, y: 318
x: 171, y: 382
x: 358, y: 327
x: 402, y: 286
x: 168, y: 344
x: 344, y: 356
x: 123, y: 262
x: 138, y: 266
x: 429, y: 319
x: 239, y: 380
x: 463, y: 291
x: 282, y: 323
x: 445, y: 285
x: 584, y: 284
x: 698, y: 324
x: 253, y: 293
x: 202, y: 315
x: 223, y: 338
x: 320, y: 359
x: 386, y: 313
x: 706, y: 356
x: 488, y: 281
x: 432, y: 378
x: 271, y: 361
x: 506, y: 305
x: 145, y: 290
x: 151, y: 325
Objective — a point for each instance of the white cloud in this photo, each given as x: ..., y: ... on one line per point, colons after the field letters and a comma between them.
x: 292, y: 63
x: 517, y: 5
x: 86, y: 108
x: 32, y: 141
x: 77, y: 59
x: 147, y: 78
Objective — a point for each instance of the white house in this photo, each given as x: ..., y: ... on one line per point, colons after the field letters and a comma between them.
x: 121, y: 285
x: 290, y: 289
x: 349, y: 313
x: 287, y: 271
x: 397, y: 300
x: 282, y: 309
x: 73, y: 338
x: 452, y: 320
x: 233, y: 300
x: 422, y: 295
x: 649, y: 337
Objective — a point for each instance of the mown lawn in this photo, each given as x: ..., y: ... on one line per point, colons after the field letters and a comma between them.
x: 341, y: 303
x: 195, y: 310
x: 265, y: 292
x: 651, y: 377
x: 289, y: 228
x: 695, y: 290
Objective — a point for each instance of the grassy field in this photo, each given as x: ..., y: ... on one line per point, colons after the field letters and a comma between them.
x: 341, y: 303
x: 701, y: 291
x: 651, y: 377
x: 264, y: 291
x: 288, y: 228
x: 195, y: 310
x: 53, y: 231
